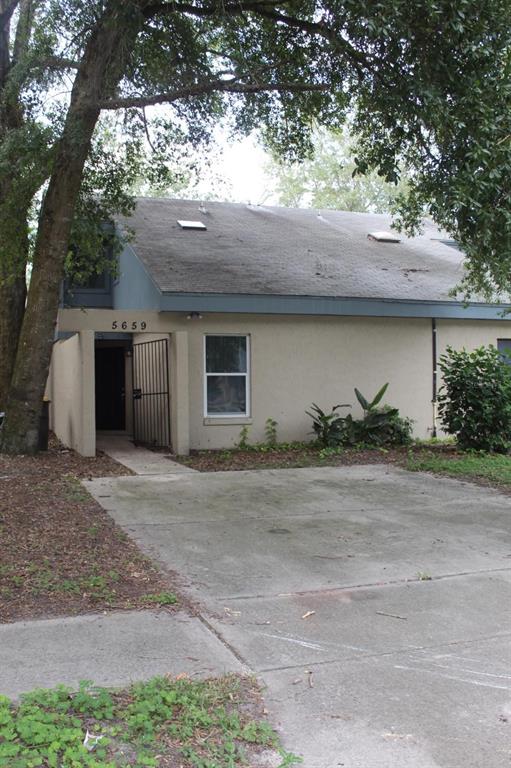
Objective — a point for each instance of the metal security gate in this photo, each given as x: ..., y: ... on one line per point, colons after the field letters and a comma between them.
x: 151, y: 396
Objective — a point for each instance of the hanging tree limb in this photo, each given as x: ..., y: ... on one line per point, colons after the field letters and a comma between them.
x: 203, y: 89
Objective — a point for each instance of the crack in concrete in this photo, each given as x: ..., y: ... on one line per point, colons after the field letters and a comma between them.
x: 369, y: 585
x: 218, y: 635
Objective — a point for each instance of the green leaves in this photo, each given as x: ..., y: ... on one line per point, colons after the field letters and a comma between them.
x: 204, y: 722
x: 378, y: 427
x: 370, y: 406
x: 475, y: 399
x: 328, y: 427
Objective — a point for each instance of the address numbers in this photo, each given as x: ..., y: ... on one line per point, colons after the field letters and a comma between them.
x: 129, y: 325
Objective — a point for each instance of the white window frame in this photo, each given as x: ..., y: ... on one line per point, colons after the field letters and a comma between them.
x: 207, y: 373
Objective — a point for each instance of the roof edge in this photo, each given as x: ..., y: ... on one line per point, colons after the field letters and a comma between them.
x: 329, y: 305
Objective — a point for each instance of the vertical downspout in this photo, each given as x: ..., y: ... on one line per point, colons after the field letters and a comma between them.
x: 434, y: 370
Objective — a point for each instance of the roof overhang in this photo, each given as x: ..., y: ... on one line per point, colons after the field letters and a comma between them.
x: 329, y: 305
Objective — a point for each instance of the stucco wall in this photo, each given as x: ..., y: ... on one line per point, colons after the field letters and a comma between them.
x: 298, y: 360
x: 471, y: 333
x: 71, y: 390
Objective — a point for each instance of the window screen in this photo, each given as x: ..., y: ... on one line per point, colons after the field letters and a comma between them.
x: 226, y: 375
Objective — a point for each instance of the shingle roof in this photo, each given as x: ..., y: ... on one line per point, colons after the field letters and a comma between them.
x: 288, y: 251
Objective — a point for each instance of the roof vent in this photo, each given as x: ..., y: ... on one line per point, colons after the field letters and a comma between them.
x: 384, y: 237
x: 191, y: 224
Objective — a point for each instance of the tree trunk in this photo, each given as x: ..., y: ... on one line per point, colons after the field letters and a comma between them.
x: 13, y: 218
x: 100, y: 70
x: 13, y: 292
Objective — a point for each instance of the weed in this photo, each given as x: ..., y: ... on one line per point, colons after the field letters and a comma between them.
x: 205, y: 721
x: 270, y: 432
x: 424, y: 576
x: 327, y: 453
x: 162, y: 598
x: 242, y: 443
x: 75, y: 490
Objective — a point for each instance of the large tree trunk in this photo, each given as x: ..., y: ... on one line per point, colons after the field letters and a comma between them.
x: 100, y: 70
x: 13, y: 292
x: 12, y: 269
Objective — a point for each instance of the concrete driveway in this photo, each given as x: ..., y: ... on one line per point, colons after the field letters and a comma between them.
x: 375, y: 604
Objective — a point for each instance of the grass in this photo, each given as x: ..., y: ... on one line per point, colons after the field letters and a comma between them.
x: 495, y: 468
x: 163, y: 722
x: 162, y: 598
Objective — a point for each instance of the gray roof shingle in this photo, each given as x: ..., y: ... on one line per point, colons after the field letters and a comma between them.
x: 288, y: 251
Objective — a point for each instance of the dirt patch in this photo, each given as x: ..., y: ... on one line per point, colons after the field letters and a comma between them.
x: 60, y: 552
x: 223, y: 461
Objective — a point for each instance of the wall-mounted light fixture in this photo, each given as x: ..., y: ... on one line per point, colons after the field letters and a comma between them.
x: 194, y: 316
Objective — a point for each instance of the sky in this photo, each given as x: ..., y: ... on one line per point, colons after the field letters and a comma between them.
x: 243, y: 167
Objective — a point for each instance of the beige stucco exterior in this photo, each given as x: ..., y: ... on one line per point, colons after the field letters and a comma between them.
x: 295, y: 360
x: 71, y: 392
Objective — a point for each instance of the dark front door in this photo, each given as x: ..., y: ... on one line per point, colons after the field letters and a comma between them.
x: 110, y: 392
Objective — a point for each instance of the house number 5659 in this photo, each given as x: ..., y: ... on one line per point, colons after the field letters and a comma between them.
x: 129, y: 325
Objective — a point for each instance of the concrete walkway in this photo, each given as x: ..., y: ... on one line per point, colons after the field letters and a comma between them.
x: 140, y: 460
x: 110, y: 649
x: 375, y: 604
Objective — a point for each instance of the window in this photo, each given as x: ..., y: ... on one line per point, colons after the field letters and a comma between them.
x: 504, y: 347
x: 99, y: 282
x: 226, y: 387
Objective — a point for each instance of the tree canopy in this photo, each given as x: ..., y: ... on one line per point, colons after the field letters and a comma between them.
x: 426, y: 84
x: 329, y: 179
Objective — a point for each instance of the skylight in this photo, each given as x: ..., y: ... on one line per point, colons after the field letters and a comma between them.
x: 384, y: 237
x: 184, y: 224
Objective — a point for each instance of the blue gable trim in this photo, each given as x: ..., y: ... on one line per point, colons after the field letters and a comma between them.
x: 134, y: 288
x: 326, y: 305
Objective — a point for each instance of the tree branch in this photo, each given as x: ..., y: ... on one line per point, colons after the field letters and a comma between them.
x: 7, y: 8
x: 266, y: 9
x: 202, y: 89
x: 58, y: 62
x: 163, y: 9
x: 23, y: 29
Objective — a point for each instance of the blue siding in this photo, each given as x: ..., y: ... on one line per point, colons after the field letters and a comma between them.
x: 133, y: 288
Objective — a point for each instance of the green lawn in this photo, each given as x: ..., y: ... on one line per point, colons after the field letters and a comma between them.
x: 493, y: 467
x: 163, y: 722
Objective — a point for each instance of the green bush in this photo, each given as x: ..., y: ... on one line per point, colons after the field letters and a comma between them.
x: 328, y: 427
x: 475, y: 399
x: 380, y: 426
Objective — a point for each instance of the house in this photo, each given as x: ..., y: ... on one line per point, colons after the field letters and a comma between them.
x: 223, y: 315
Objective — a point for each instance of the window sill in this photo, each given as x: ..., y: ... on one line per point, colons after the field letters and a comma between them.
x: 225, y: 421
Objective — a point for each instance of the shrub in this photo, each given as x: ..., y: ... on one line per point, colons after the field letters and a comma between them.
x: 380, y: 426
x: 475, y: 399
x: 328, y: 427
